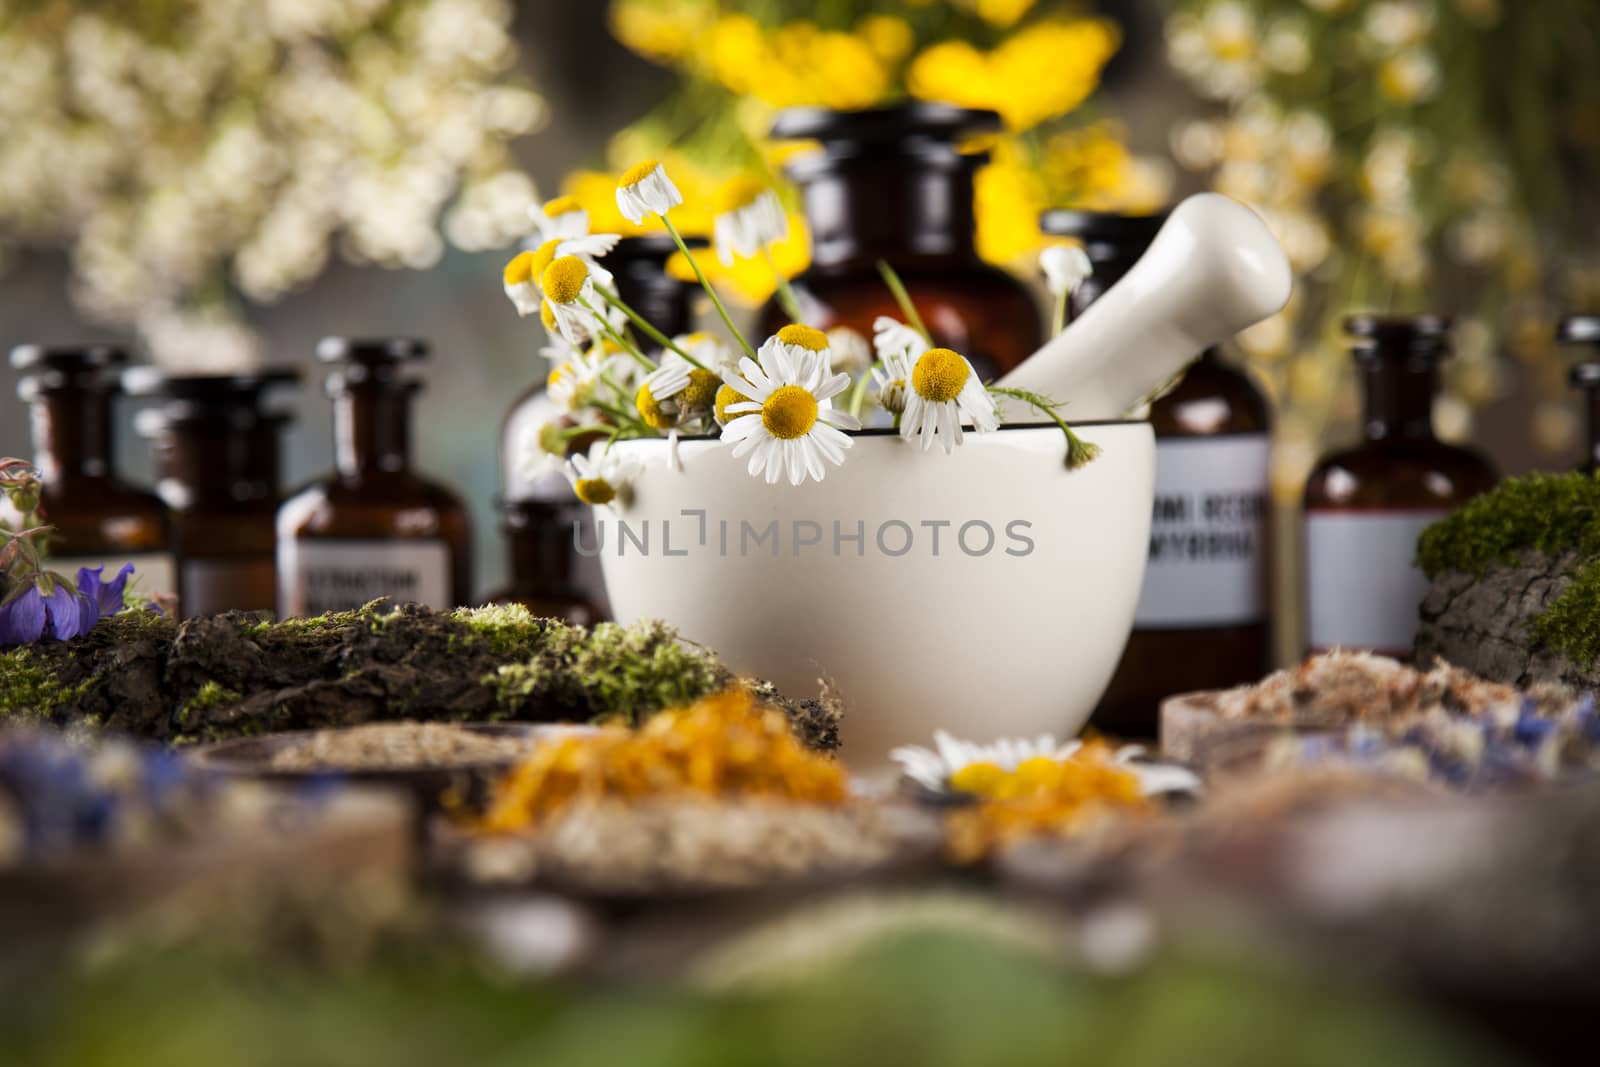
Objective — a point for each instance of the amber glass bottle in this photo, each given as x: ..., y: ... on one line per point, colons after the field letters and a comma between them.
x: 1202, y: 616
x: 1365, y: 506
x: 1585, y: 330
x: 216, y: 450
x: 538, y: 513
x: 97, y: 518
x: 373, y: 528
x: 893, y: 184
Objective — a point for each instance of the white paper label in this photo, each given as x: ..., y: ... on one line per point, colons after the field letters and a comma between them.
x: 153, y: 572
x: 1207, y: 534
x: 324, y: 574
x: 1363, y: 587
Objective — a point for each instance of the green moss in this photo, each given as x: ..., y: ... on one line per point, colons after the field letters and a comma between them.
x: 29, y: 689
x: 509, y: 630
x: 618, y: 670
x: 1551, y: 514
x: 210, y: 695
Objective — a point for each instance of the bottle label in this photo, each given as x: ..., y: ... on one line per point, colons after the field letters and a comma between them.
x: 326, y: 574
x: 154, y: 573
x: 1207, y: 565
x: 1363, y: 587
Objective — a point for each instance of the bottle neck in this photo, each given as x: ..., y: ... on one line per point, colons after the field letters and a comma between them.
x: 1399, y: 398
x: 209, y: 462
x: 372, y: 428
x: 894, y: 209
x: 71, y: 430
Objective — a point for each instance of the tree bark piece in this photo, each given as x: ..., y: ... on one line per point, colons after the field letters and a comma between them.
x: 231, y: 675
x: 1485, y: 624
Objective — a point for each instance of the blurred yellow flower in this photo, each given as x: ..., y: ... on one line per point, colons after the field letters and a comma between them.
x: 1041, y: 72
x: 663, y: 32
x: 796, y: 64
x: 1002, y: 13
x: 891, y: 39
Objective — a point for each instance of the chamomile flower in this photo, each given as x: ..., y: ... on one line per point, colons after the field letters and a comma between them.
x: 1065, y: 268
x: 571, y: 383
x: 644, y: 189
x: 891, y: 378
x: 893, y: 337
x: 560, y: 218
x: 956, y: 766
x: 522, y: 286
x: 749, y: 217
x: 543, y: 451
x: 789, y: 425
x: 675, y: 393
x: 570, y: 294
x: 851, y: 351
x: 794, y: 342
x: 602, y: 477
x: 945, y: 392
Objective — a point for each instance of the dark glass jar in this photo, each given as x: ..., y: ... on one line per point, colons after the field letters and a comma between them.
x: 1202, y: 620
x: 98, y: 519
x: 893, y: 184
x: 216, y: 450
x: 1585, y: 330
x: 1365, y: 506
x: 538, y: 511
x: 374, y: 527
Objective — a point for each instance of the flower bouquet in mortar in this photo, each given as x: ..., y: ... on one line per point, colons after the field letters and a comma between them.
x: 940, y: 587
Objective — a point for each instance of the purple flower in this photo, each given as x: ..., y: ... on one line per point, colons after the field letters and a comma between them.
x: 106, y: 596
x: 46, y: 608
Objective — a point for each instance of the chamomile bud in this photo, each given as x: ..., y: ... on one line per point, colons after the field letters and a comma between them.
x: 644, y: 189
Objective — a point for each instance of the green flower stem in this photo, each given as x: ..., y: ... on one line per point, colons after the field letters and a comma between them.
x: 858, y: 395
x: 1079, y: 451
x: 716, y: 301
x: 786, y: 297
x: 903, y: 298
x: 649, y: 331
x: 1058, y: 320
x: 622, y: 342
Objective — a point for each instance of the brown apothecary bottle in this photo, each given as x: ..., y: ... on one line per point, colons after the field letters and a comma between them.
x: 894, y: 184
x: 538, y: 511
x: 1366, y: 506
x: 1202, y: 619
x: 374, y: 527
x: 216, y: 449
x: 1585, y: 375
x: 70, y: 392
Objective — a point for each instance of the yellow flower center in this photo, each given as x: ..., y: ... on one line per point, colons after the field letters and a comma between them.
x: 738, y: 193
x: 789, y: 412
x: 939, y: 375
x: 650, y: 411
x: 725, y: 396
x: 554, y: 376
x: 980, y: 778
x: 701, y: 392
x: 595, y: 491
x: 804, y: 336
x: 520, y: 270
x: 563, y: 280
x: 547, y: 315
x: 551, y: 439
x: 637, y: 173
x: 540, y: 258
x: 562, y: 205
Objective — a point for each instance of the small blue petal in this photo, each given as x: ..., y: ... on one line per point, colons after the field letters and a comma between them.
x: 22, y: 621
x: 107, y: 596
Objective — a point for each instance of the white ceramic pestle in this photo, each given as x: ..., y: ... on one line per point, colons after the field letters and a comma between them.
x: 1212, y: 270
